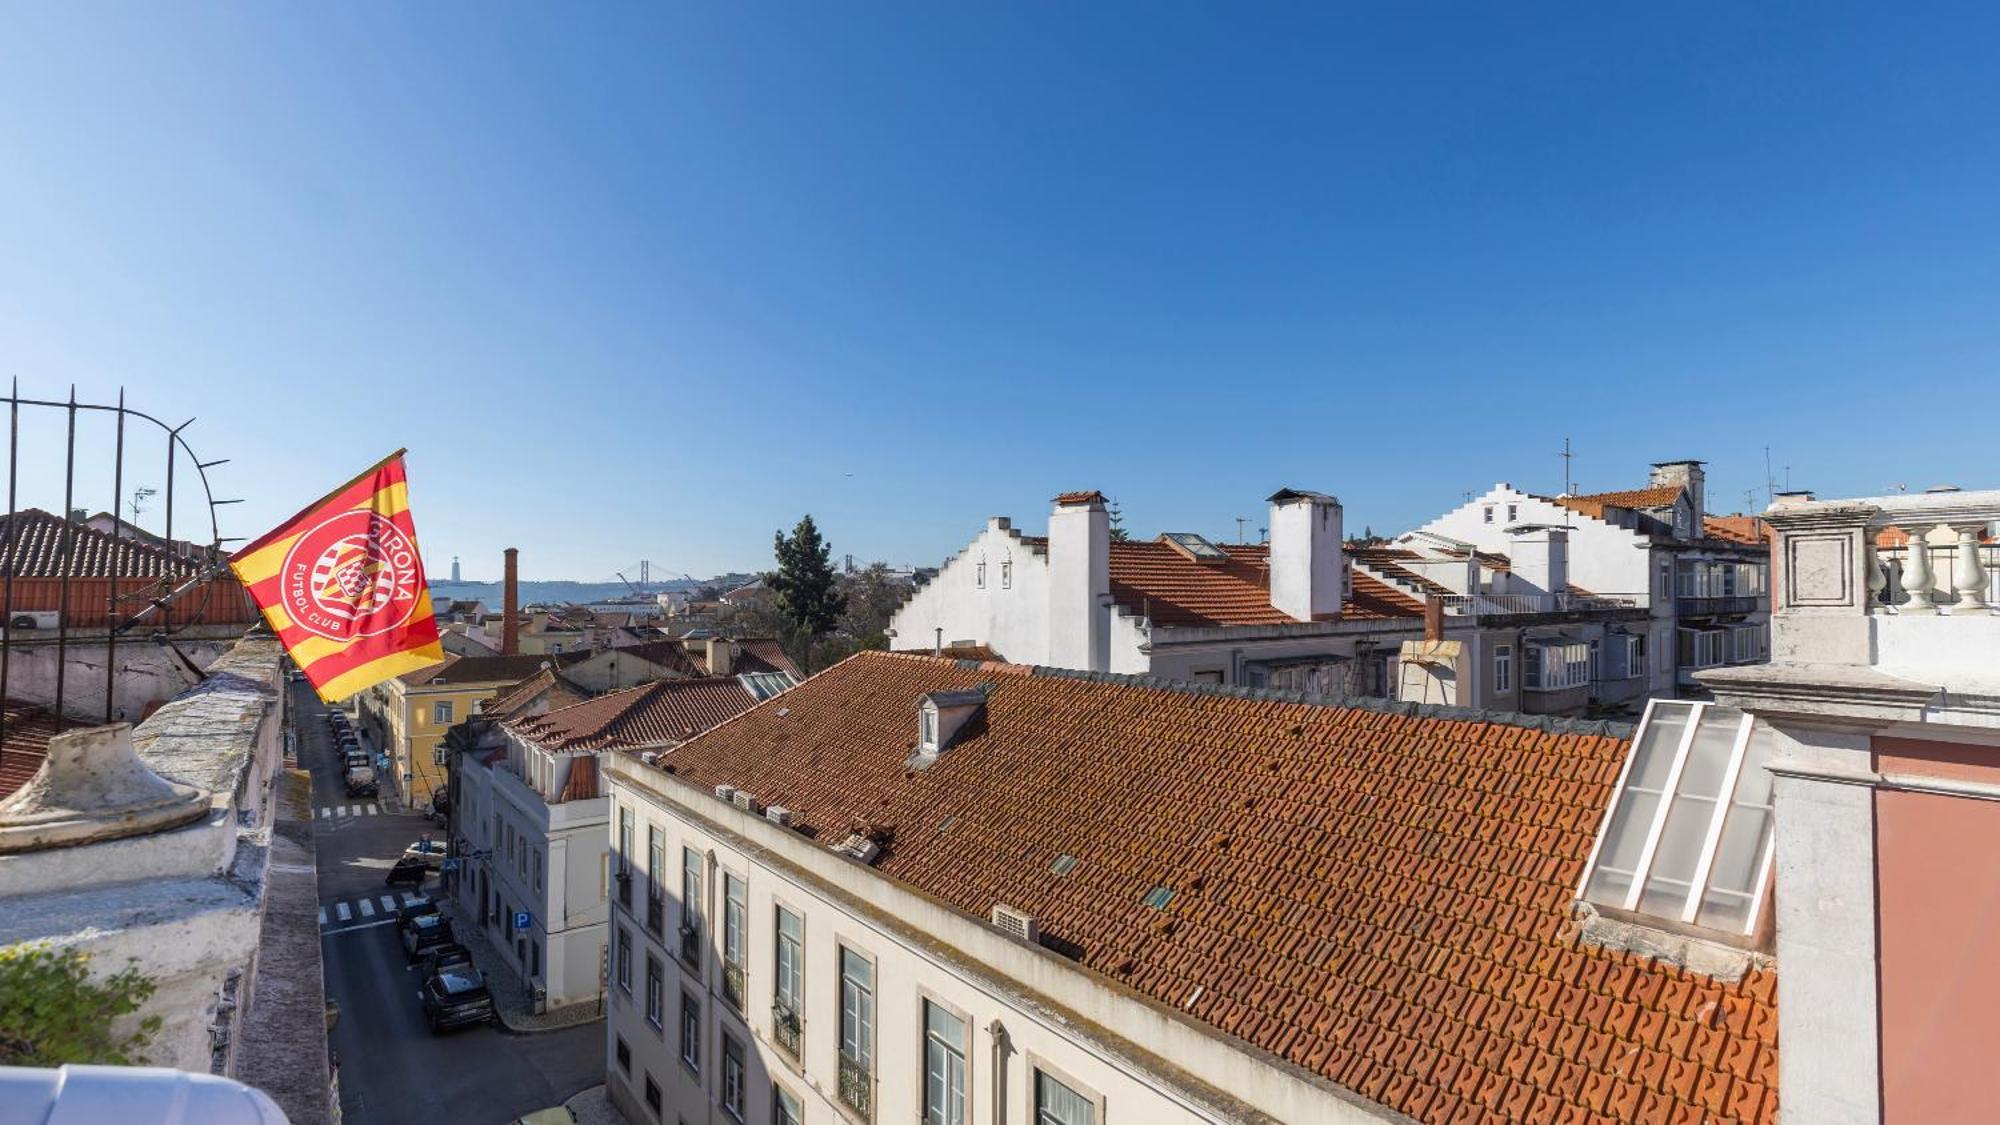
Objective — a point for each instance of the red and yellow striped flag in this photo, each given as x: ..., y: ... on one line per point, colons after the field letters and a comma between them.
x: 342, y: 585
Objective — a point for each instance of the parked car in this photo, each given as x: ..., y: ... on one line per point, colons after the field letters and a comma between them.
x: 425, y: 932
x: 408, y: 873
x: 443, y: 958
x: 421, y: 906
x: 428, y: 852
x: 554, y: 1115
x: 357, y: 758
x: 457, y: 997
x: 361, y: 781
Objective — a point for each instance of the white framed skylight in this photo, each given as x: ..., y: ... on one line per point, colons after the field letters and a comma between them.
x: 1687, y: 837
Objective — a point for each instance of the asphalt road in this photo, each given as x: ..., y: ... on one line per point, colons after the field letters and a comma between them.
x: 392, y: 1069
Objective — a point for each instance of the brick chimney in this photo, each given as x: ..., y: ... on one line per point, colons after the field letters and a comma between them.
x: 1080, y: 582
x: 1689, y: 475
x: 510, y: 609
x: 1433, y: 617
x: 1308, y: 567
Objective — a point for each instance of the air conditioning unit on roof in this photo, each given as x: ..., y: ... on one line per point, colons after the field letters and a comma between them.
x: 725, y: 792
x: 860, y: 847
x: 779, y: 815
x: 744, y: 800
x: 34, y: 619
x: 1016, y: 923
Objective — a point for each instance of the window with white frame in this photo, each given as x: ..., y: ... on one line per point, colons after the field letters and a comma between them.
x: 1554, y: 667
x: 690, y: 905
x: 1747, y: 644
x: 786, y: 1108
x: 691, y: 1031
x: 857, y: 1021
x: 1057, y: 1104
x: 944, y: 1067
x: 732, y: 1076
x: 1687, y: 839
x: 624, y: 959
x: 1503, y: 668
x: 441, y: 713
x: 656, y: 996
x: 1702, y: 648
x: 788, y: 987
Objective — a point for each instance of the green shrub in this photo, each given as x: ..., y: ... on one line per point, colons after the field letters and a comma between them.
x: 52, y: 1012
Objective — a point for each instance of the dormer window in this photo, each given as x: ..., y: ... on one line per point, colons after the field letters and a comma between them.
x: 941, y: 715
x: 1686, y: 843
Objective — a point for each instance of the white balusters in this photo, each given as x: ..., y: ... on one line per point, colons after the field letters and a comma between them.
x: 1878, y: 578
x: 1918, y: 579
x: 1968, y: 574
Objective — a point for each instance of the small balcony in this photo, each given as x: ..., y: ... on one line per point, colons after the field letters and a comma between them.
x: 1721, y: 605
x: 857, y: 1085
x: 691, y: 945
x: 785, y: 1029
x: 623, y: 889
x: 1485, y: 605
x: 732, y: 984
x: 656, y: 915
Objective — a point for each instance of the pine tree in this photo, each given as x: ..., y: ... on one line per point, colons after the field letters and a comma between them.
x: 1118, y: 533
x: 807, y: 593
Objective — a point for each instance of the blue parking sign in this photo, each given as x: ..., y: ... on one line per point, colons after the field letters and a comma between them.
x: 521, y: 919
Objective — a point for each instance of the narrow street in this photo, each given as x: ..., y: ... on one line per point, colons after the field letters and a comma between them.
x: 392, y: 1069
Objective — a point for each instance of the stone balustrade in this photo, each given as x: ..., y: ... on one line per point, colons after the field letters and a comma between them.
x: 1944, y: 562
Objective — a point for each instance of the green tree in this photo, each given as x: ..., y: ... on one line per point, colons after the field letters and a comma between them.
x: 52, y: 1012
x: 807, y: 589
x: 1118, y: 532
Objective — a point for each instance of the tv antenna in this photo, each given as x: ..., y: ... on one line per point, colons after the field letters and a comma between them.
x: 139, y: 498
x: 1769, y: 481
x: 1566, y: 456
x: 1240, y: 521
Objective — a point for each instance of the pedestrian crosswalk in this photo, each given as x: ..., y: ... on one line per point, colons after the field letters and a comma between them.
x: 337, y: 812
x: 366, y: 909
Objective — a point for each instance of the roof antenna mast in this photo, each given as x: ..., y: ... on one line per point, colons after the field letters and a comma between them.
x: 1567, y: 486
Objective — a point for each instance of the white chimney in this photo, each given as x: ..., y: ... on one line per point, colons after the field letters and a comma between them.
x: 1541, y: 558
x: 1308, y: 568
x: 1080, y: 582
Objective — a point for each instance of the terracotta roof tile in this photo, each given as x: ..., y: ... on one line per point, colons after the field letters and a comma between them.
x: 1748, y: 530
x: 1382, y: 898
x: 1640, y: 499
x: 37, y: 551
x: 1157, y: 580
x: 25, y: 745
x: 662, y: 711
x: 762, y: 655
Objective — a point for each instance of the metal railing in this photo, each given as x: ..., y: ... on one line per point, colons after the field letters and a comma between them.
x: 785, y: 1029
x: 857, y: 1085
x: 114, y: 601
x: 691, y: 944
x: 732, y: 984
x: 624, y: 881
x: 1474, y: 605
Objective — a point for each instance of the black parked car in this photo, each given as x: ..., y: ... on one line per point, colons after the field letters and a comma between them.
x: 457, y: 997
x: 444, y: 958
x: 424, y: 933
x: 408, y: 873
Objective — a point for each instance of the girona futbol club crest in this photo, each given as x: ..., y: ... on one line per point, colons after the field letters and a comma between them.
x: 354, y: 575
x: 342, y: 585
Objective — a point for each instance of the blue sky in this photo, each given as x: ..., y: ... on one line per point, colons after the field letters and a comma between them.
x: 648, y: 281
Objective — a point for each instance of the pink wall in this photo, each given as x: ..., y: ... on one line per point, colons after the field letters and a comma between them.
x: 1938, y: 888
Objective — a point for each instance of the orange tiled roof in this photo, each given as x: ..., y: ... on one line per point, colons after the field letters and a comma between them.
x: 39, y: 540
x: 25, y: 746
x: 662, y: 711
x: 1748, y: 530
x: 1172, y: 589
x: 1593, y: 504
x: 984, y: 654
x: 762, y: 654
x: 544, y: 684
x: 1382, y: 899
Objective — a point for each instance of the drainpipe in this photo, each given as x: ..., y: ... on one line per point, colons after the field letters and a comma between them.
x: 1000, y: 1052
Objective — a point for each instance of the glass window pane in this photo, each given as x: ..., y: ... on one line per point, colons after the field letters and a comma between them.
x: 1708, y: 754
x: 1624, y: 840
x: 1653, y: 753
x: 1057, y: 1104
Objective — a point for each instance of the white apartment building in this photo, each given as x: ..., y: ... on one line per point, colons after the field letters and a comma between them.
x: 533, y: 827
x: 959, y: 893
x: 1703, y: 579
x: 1299, y: 613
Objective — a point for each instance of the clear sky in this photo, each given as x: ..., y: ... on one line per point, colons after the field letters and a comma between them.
x: 651, y: 281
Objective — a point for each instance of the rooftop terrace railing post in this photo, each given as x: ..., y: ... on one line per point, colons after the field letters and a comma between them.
x: 7, y: 574
x: 117, y: 534
x: 67, y: 557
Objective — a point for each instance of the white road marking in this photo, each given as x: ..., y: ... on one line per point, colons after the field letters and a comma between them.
x: 371, y: 810
x: 340, y: 908
x: 410, y: 898
x: 359, y: 926
x: 325, y: 812
x: 341, y: 810
x: 367, y: 908
x: 388, y: 904
x: 322, y: 915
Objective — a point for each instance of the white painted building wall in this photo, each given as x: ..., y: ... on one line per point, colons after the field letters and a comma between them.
x: 1008, y: 609
x: 1024, y: 1007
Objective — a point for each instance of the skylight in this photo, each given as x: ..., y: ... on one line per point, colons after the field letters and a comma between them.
x: 1687, y: 839
x: 1197, y: 546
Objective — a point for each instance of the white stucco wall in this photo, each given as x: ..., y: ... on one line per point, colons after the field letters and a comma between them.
x: 1013, y: 619
x: 1603, y: 559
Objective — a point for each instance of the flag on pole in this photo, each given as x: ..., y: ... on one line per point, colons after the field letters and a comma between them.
x: 342, y: 585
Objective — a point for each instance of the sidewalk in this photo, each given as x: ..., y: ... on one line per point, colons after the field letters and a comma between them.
x: 592, y: 1107
x: 511, y: 1000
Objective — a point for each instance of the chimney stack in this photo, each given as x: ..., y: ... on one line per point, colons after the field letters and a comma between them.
x: 1080, y: 582
x: 1308, y: 566
x: 1689, y: 475
x: 719, y: 654
x: 1433, y: 618
x: 1540, y: 557
x: 510, y: 610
